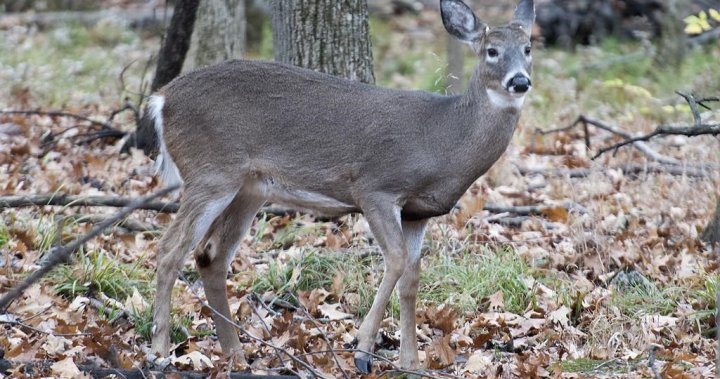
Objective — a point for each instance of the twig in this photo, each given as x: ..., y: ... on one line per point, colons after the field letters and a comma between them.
x: 36, y: 330
x: 58, y: 114
x: 135, y: 373
x: 267, y: 329
x: 82, y: 201
x: 324, y: 336
x: 61, y: 254
x: 172, y: 207
x: 697, y: 129
x: 689, y: 131
x: 128, y: 223
x: 394, y: 368
x: 244, y: 331
x: 651, y: 362
x: 585, y: 121
x: 627, y: 169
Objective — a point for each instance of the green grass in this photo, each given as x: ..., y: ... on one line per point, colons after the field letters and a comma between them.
x: 464, y: 281
x: 596, y: 366
x: 4, y: 235
x: 313, y: 270
x: 70, y: 65
x: 467, y: 280
x: 636, y: 301
x: 179, y: 325
x: 99, y: 272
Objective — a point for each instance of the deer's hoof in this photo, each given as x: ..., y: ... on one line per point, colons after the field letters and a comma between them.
x: 363, y: 363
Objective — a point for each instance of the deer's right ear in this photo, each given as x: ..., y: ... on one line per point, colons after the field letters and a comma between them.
x: 460, y: 21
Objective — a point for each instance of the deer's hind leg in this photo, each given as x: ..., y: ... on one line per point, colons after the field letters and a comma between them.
x: 200, y: 206
x: 213, y: 256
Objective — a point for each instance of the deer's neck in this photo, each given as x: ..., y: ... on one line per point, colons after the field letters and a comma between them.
x: 486, y: 124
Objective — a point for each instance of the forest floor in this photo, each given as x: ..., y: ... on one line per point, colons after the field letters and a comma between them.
x: 608, y: 279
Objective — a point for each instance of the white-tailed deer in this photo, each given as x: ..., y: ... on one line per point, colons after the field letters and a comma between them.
x: 241, y: 133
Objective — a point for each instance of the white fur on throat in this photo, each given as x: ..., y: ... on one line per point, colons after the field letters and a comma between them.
x: 505, y: 100
x: 164, y: 164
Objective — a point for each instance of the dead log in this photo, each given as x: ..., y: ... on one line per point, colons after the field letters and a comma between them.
x: 37, y: 368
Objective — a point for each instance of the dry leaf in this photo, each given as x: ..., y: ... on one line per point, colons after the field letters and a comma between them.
x: 196, y: 360
x: 66, y: 368
x: 497, y: 303
x: 332, y: 312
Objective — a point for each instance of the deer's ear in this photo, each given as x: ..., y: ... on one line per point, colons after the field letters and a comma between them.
x: 525, y: 15
x: 460, y: 21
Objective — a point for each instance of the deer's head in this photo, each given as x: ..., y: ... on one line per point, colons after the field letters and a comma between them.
x: 504, y: 52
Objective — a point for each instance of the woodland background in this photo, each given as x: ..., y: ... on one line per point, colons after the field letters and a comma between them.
x: 556, y: 263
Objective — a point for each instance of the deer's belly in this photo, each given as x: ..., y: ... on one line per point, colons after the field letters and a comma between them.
x: 307, y: 201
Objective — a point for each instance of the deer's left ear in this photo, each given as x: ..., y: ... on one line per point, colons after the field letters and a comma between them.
x: 525, y: 15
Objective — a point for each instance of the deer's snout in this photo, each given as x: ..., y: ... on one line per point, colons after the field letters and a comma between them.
x: 519, y: 84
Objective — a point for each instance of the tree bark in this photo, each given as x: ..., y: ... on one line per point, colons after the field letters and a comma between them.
x: 329, y: 36
x: 711, y: 234
x: 455, y: 66
x: 219, y: 32
x: 170, y: 62
x: 176, y: 43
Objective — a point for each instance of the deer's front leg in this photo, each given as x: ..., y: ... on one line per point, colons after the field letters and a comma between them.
x: 413, y: 232
x: 384, y: 220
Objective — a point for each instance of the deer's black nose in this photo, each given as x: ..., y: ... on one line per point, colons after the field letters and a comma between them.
x: 519, y: 84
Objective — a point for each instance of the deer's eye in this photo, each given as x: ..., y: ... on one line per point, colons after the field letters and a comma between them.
x: 527, y: 50
x: 492, y: 52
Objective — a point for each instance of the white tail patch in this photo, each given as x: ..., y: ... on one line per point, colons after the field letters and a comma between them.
x: 164, y: 164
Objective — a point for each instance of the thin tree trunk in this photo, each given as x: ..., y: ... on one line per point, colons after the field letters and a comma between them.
x: 711, y: 234
x: 219, y: 32
x: 170, y: 62
x: 329, y: 36
x: 176, y: 43
x: 455, y: 66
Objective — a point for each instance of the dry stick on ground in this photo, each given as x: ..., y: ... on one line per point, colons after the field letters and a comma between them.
x: 135, y: 373
x: 61, y: 254
x: 129, y: 224
x: 172, y: 207
x: 244, y: 331
x: 698, y: 128
x: 585, y: 121
x: 267, y: 329
x: 627, y: 169
x: 285, y: 352
x: 106, y: 129
x: 324, y: 336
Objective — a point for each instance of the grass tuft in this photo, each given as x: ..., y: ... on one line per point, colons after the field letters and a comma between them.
x: 98, y: 272
x: 467, y: 280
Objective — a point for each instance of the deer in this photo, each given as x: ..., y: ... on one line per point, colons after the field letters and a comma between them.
x: 242, y: 133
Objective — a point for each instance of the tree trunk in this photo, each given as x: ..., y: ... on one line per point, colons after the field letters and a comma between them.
x: 455, y: 72
x: 176, y: 43
x: 711, y: 234
x: 170, y: 62
x: 329, y: 36
x: 455, y: 66
x: 219, y: 32
x: 672, y: 47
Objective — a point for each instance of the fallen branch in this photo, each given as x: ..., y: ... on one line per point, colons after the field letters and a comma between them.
x: 58, y: 114
x: 134, y: 373
x: 145, y: 17
x: 172, y: 207
x: 244, y: 331
x: 83, y: 201
x: 627, y: 169
x: 697, y: 129
x: 128, y: 224
x: 585, y: 121
x: 61, y: 254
